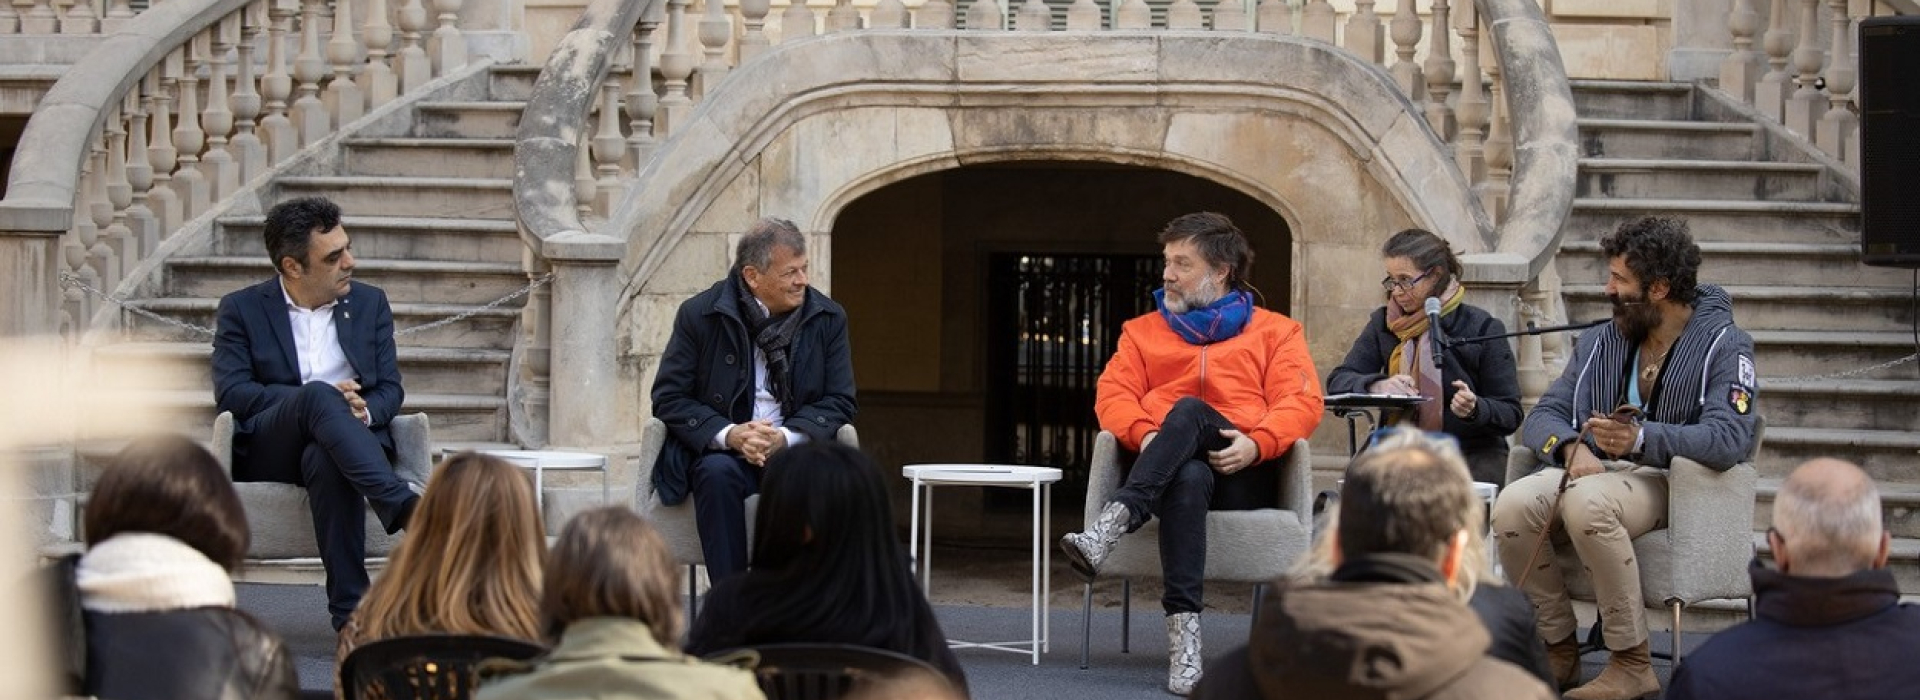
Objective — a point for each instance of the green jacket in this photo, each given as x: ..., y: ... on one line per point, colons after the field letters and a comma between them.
x: 608, y: 657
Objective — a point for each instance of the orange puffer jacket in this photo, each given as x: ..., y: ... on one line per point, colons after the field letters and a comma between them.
x: 1263, y: 380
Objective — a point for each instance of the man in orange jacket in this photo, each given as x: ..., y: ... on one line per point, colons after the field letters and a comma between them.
x: 1211, y: 391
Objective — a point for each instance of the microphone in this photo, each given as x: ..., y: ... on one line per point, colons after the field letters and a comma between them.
x: 1433, y: 331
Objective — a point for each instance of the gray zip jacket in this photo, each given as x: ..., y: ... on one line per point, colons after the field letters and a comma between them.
x: 1702, y: 407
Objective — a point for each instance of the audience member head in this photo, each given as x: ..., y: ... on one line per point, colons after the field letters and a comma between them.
x: 1206, y: 257
x: 610, y: 563
x: 771, y: 260
x: 1826, y: 521
x: 170, y: 485
x: 1476, y: 566
x: 1408, y: 494
x: 470, y: 563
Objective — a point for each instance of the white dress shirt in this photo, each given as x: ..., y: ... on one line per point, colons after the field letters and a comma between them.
x: 316, y: 344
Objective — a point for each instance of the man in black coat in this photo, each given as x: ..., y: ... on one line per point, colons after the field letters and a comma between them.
x: 757, y: 363
x: 1829, y: 623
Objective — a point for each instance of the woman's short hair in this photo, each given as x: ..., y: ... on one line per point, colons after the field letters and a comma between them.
x: 170, y: 485
x: 1427, y: 250
x: 609, y: 562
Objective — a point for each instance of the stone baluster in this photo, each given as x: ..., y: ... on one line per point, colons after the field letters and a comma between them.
x: 118, y: 12
x: 1471, y: 107
x: 1499, y: 141
x: 985, y: 14
x: 585, y: 187
x: 1439, y: 73
x: 146, y: 225
x: 86, y: 239
x: 888, y: 14
x: 609, y: 146
x: 75, y: 304
x: 1839, y: 121
x: 753, y: 21
x: 344, y: 99
x: 80, y: 19
x: 9, y: 18
x: 1741, y: 67
x: 795, y: 22
x: 676, y: 66
x: 1083, y: 16
x: 1770, y: 95
x: 1530, y: 367
x: 844, y: 17
x: 246, y: 146
x: 1231, y: 16
x: 1035, y: 16
x: 382, y: 85
x: 119, y: 193
x: 1185, y: 14
x: 415, y: 68
x: 1133, y: 14
x: 98, y: 215
x: 160, y: 152
x: 934, y: 14
x: 40, y: 19
x: 448, y: 46
x: 196, y: 195
x: 1317, y: 20
x: 1365, y: 36
x: 1406, y: 35
x: 642, y: 102
x: 714, y: 30
x: 1852, y: 149
x: 218, y: 166
x: 309, y: 113
x: 1275, y: 16
x: 277, y: 86
x: 1804, y: 108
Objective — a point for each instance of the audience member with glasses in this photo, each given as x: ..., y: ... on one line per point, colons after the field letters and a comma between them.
x: 1472, y: 392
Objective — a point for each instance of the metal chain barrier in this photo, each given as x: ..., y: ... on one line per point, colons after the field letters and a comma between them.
x: 72, y: 281
x: 1839, y: 375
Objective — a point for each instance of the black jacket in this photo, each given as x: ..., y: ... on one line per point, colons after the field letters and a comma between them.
x: 1487, y: 367
x: 1847, y: 637
x: 1508, y: 617
x: 207, y: 653
x: 705, y: 381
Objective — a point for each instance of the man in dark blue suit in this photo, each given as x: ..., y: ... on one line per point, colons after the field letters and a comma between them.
x: 306, y: 364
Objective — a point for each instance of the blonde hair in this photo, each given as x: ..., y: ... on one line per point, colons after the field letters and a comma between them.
x: 470, y: 562
x: 610, y: 562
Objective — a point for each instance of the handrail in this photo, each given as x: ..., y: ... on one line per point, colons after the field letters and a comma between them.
x: 46, y: 170
x: 1546, y: 154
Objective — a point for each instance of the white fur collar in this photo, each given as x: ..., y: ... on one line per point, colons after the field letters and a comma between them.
x: 144, y: 572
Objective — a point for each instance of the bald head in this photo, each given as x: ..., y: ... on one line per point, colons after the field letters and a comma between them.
x: 1828, y: 515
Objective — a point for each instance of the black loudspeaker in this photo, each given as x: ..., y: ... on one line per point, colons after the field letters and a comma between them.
x: 1890, y: 141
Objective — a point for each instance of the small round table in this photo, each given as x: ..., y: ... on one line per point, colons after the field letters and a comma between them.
x: 1040, y: 480
x: 542, y: 460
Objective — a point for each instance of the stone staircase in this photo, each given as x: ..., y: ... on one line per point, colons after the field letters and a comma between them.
x: 1783, y: 237
x: 431, y: 215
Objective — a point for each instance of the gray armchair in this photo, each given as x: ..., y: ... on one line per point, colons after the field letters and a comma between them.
x: 1703, y: 552
x: 281, y: 524
x: 1248, y: 546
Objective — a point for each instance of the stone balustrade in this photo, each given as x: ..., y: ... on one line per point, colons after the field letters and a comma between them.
x: 190, y: 100
x: 66, y: 17
x: 1796, y: 63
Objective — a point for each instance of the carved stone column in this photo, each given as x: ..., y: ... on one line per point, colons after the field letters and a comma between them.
x: 584, y: 375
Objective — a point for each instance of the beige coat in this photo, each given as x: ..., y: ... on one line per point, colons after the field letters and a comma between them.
x: 606, y: 657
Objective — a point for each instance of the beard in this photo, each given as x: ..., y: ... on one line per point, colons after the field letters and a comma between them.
x: 1203, y: 293
x: 1634, y: 316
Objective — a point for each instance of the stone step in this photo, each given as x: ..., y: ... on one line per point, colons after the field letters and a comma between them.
x: 474, y: 198
x: 1620, y: 99
x: 477, y: 120
x: 488, y: 328
x: 1899, y: 507
x: 513, y: 82
x: 1889, y: 456
x: 1814, y: 353
x: 399, y: 237
x: 1648, y: 138
x: 405, y: 281
x: 1743, y: 263
x: 1624, y: 178
x: 1723, y: 220
x: 1790, y: 308
x: 1842, y: 404
x: 454, y: 417
x: 1903, y: 559
x: 430, y: 157
x: 186, y: 365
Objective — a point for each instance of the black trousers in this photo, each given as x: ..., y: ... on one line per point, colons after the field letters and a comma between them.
x: 721, y: 483
x: 312, y: 439
x: 1172, y: 481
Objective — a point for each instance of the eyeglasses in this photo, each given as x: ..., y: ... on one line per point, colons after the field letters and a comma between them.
x: 1390, y: 284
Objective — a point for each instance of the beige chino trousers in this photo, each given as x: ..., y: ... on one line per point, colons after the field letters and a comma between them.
x: 1599, y: 517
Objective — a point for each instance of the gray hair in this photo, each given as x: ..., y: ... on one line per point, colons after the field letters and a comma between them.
x: 1831, y: 525
x: 756, y: 247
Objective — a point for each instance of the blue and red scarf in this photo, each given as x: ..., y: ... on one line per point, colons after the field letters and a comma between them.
x: 1220, y: 320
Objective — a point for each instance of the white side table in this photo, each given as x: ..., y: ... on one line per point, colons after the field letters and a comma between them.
x: 1040, y: 480
x: 542, y: 460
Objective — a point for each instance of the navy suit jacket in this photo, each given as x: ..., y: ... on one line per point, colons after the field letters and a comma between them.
x: 254, y: 361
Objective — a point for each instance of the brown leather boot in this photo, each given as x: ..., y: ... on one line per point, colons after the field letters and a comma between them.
x: 1563, y: 657
x: 1628, y: 676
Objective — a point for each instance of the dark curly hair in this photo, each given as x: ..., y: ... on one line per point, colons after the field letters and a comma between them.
x: 1218, y: 240
x: 1658, y: 248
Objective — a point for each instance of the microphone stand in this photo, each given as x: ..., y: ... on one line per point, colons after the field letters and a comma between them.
x: 1530, y: 330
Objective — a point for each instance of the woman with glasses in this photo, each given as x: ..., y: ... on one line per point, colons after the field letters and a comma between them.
x: 1472, y: 392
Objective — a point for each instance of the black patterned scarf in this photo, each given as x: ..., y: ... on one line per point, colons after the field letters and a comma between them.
x: 772, y: 335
